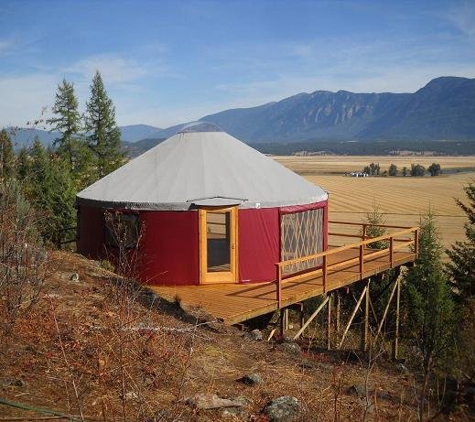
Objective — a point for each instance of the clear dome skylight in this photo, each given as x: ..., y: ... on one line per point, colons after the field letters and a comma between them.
x: 200, y: 126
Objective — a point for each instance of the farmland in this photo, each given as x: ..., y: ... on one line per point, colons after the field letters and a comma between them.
x: 402, y: 199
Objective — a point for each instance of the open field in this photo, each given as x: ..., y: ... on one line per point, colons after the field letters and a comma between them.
x: 341, y: 164
x: 401, y: 199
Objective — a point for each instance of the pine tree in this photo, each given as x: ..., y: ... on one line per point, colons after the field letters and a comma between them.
x: 431, y: 312
x: 67, y: 120
x: 51, y: 190
x: 7, y: 156
x: 103, y: 134
x: 72, y: 148
x: 461, y: 268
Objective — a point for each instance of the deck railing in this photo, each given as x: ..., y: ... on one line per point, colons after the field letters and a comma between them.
x: 405, y: 238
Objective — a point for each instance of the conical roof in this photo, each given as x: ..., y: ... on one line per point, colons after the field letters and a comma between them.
x: 201, y: 168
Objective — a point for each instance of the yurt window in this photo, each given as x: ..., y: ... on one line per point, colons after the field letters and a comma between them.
x: 121, y: 230
x: 301, y: 234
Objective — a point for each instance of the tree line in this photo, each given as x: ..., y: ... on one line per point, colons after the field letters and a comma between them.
x: 87, y: 149
x: 439, y: 306
x: 416, y: 170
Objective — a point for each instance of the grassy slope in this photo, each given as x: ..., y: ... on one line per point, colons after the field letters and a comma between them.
x: 79, y: 350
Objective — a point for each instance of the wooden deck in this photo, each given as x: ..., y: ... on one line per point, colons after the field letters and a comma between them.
x: 342, y: 266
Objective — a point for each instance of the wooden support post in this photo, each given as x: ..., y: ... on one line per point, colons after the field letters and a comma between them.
x: 337, y: 312
x: 286, y: 318
x: 282, y: 323
x: 386, y: 309
x: 324, y: 273
x: 329, y: 320
x: 312, y: 317
x: 396, y: 334
x: 278, y: 280
x: 391, y: 251
x: 365, y: 330
x: 358, y: 304
x: 361, y: 260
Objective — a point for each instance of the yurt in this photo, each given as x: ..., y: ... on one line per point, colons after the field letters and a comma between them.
x: 203, y: 207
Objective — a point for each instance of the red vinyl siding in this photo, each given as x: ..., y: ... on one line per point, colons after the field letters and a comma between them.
x: 258, y: 244
x: 170, y: 247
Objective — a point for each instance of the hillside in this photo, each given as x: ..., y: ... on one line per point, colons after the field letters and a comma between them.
x: 96, y: 346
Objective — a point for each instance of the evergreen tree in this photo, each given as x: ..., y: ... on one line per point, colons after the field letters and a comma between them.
x: 375, y: 219
x: 431, y: 313
x: 7, y: 156
x: 67, y: 120
x: 23, y: 164
x: 461, y: 267
x: 103, y: 134
x: 51, y: 190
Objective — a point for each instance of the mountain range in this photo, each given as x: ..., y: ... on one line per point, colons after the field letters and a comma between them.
x: 444, y: 109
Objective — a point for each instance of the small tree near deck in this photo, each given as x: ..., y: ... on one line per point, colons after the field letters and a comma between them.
x: 431, y: 313
x: 374, y: 219
x: 461, y: 268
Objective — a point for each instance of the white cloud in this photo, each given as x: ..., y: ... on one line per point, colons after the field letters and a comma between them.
x: 24, y: 98
x: 114, y: 68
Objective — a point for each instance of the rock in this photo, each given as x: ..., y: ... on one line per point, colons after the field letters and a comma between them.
x: 131, y: 395
x: 306, y: 364
x: 251, y: 379
x: 13, y: 383
x: 356, y: 390
x: 164, y: 415
x: 293, y: 348
x: 283, y: 409
x: 255, y: 335
x: 384, y: 394
x: 212, y: 401
x: 402, y: 368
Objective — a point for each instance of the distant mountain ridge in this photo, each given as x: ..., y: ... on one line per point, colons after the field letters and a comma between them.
x: 444, y: 109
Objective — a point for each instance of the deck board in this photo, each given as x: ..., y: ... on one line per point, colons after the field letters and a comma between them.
x: 234, y: 303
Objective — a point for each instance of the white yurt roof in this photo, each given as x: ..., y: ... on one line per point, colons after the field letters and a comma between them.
x: 200, y: 169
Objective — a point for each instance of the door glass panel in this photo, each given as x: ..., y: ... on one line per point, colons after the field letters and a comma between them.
x: 218, y: 241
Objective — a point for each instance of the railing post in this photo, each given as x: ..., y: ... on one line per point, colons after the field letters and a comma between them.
x: 361, y: 260
x: 324, y: 273
x: 364, y: 231
x: 391, y: 251
x: 278, y: 280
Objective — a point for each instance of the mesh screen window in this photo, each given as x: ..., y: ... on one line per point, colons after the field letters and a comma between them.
x: 121, y: 230
x: 301, y: 234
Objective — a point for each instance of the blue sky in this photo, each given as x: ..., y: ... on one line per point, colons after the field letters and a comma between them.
x: 168, y: 62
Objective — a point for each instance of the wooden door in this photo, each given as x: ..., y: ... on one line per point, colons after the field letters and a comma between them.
x: 218, y: 241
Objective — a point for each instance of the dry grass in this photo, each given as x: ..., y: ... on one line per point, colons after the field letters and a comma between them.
x: 78, y: 354
x: 402, y: 199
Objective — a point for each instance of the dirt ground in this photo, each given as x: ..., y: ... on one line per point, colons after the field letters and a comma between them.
x: 98, y: 348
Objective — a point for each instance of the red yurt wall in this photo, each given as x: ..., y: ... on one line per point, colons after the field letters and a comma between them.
x: 170, y: 247
x: 258, y: 244
x: 169, y: 244
x: 91, y: 232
